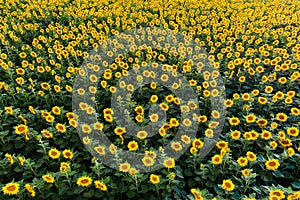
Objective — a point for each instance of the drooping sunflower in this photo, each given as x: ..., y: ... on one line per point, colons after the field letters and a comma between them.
x: 100, y: 185
x: 48, y: 178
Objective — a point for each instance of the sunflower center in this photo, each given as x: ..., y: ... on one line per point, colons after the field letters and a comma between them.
x: 11, y: 188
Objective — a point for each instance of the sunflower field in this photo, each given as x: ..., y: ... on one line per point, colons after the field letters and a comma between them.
x: 223, y: 123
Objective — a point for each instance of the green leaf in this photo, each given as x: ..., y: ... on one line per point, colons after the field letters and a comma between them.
x: 296, y: 185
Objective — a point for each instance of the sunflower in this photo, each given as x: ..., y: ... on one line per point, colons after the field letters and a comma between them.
x: 169, y: 98
x: 11, y: 188
x: 132, y: 146
x: 272, y: 164
x: 21, y: 129
x: 100, y: 185
x: 242, y: 161
x: 185, y: 139
x: 234, y: 121
x: 250, y: 118
x: 29, y: 188
x: 154, y: 117
x: 197, y: 143
x: 246, y: 172
x: 282, y: 117
x: 100, y: 150
x: 148, y: 161
x: 85, y: 128
x: 108, y: 118
x: 152, y: 154
x: 21, y: 160
x: 64, y: 166
x: 68, y: 154
x: 216, y: 159
x: 196, y: 194
x: 50, y: 118
x: 9, y: 110
x: 246, y: 96
x: 9, y: 158
x: 164, y: 106
x: 278, y: 193
x: 98, y: 126
x: 154, y: 179
x: 119, y: 130
x: 84, y: 181
x: 266, y: 135
x: 235, y: 134
x: 273, y: 144
x: 48, y: 178
x: 268, y: 89
x: 60, y: 127
x: 154, y: 98
x: 262, y: 100
x: 286, y: 142
x: 262, y: 122
x: 174, y: 122
x: 124, y: 167
x: 291, y: 151
x: 176, y: 146
x: 169, y: 163
x: 228, y: 185
x: 295, y: 111
x: 47, y: 134
x: 56, y: 110
x: 228, y: 103
x: 202, y: 118
x: 222, y: 144
x: 293, y: 131
x: 112, y: 149
x: 139, y: 110
x: 187, y: 122
x: 251, y: 156
x: 288, y: 100
x: 54, y: 153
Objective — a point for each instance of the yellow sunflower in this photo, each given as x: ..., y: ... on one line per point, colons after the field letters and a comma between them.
x: 154, y: 179
x: 11, y: 188
x: 84, y: 181
x: 228, y: 185
x: 48, y: 178
x: 272, y: 164
x: 100, y: 185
